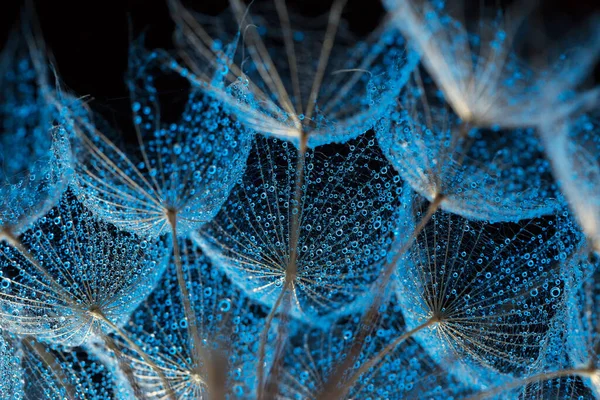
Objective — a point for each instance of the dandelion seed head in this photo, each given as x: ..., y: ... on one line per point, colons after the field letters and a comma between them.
x: 322, y: 216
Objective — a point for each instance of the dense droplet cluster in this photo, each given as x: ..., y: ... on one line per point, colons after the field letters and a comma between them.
x: 69, y: 268
x: 11, y: 378
x: 346, y: 203
x: 571, y: 387
x: 223, y: 340
x: 492, y: 289
x: 407, y: 373
x: 52, y: 372
x: 404, y: 214
x: 34, y: 152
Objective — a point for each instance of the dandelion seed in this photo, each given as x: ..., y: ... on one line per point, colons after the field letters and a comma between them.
x: 481, y: 77
x: 474, y: 282
x: 70, y: 275
x: 345, y: 205
x: 572, y: 349
x: 179, y: 181
x: 228, y: 325
x: 481, y: 174
x: 296, y: 76
x: 407, y: 373
x: 185, y: 169
x: 52, y: 372
x: 276, y: 235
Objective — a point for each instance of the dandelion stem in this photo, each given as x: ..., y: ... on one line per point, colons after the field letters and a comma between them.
x: 217, y: 377
x: 291, y: 267
x: 50, y: 361
x: 334, y: 20
x: 463, y: 137
x: 263, y: 341
x: 124, y: 366
x: 192, y: 328
x: 284, y: 19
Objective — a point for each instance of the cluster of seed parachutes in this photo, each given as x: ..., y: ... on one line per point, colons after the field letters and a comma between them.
x: 412, y: 214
